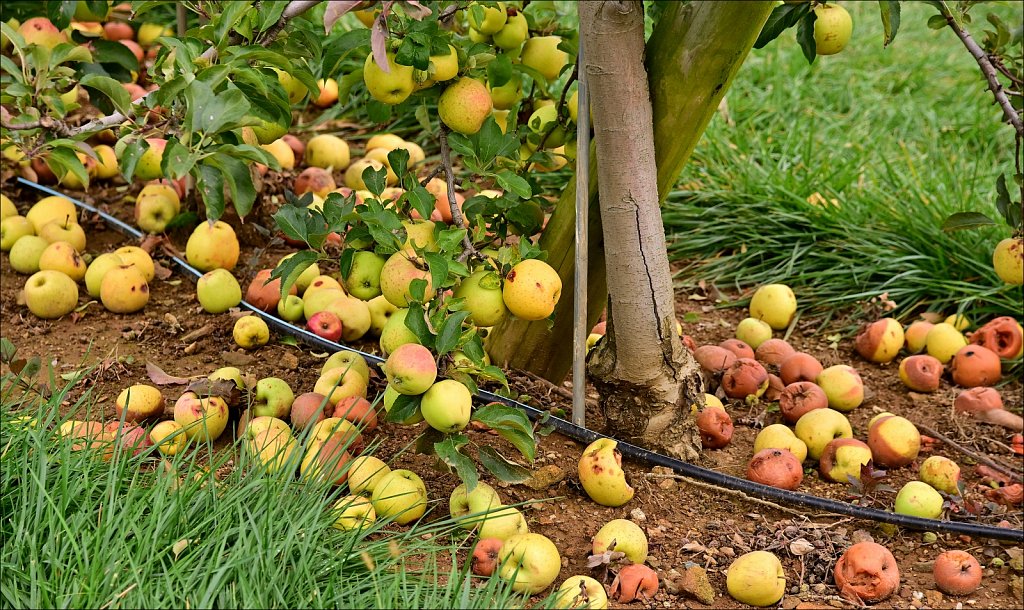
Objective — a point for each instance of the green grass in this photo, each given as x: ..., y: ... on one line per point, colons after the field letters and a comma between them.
x: 85, y: 533
x: 900, y: 137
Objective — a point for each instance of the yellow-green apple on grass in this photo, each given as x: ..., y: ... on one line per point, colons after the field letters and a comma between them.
x: 389, y: 87
x: 894, y: 441
x: 155, y: 207
x: 410, y: 369
x: 139, y: 402
x: 353, y: 512
x: 919, y: 499
x: 843, y: 458
x: 756, y: 579
x: 218, y: 291
x: 325, y: 324
x: 543, y: 55
x: 365, y: 473
x: 12, y: 229
x: 941, y: 473
x: 502, y: 523
x: 381, y: 310
x: 124, y: 289
x: 531, y: 290
x: 400, y: 494
x: 363, y: 279
x: 819, y: 427
x: 203, y: 419
x: 581, y: 592
x: 468, y: 508
x: 601, y: 474
x: 327, y: 151
x: 134, y: 255
x: 348, y: 360
x: 64, y: 230
x: 447, y: 405
x: 842, y: 386
x: 484, y: 300
x: 212, y: 246
x: 623, y: 536
x: 775, y: 304
x: 250, y: 332
x: 272, y: 398
x: 25, y: 254
x: 780, y: 436
x: 169, y: 437
x: 398, y: 274
x: 340, y: 382
x: 530, y: 562
x: 62, y: 256
x: 50, y: 294
x: 465, y: 105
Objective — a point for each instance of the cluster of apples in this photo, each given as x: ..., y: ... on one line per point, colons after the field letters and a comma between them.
x: 48, y: 244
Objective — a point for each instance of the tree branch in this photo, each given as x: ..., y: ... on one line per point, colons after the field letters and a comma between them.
x: 453, y: 204
x: 986, y: 68
x: 294, y: 9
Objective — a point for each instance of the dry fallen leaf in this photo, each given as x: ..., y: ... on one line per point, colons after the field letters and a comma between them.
x: 159, y: 377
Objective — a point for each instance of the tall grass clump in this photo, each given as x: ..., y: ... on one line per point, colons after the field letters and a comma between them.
x: 836, y: 177
x: 134, y: 532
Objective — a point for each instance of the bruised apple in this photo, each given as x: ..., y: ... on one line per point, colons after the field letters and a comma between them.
x: 601, y: 474
x: 842, y: 459
x: 975, y: 365
x: 867, y: 572
x: 799, y: 366
x: 921, y: 373
x: 880, y: 341
x: 957, y: 573
x: 776, y: 468
x: 799, y: 398
x: 894, y: 441
x: 715, y: 427
x: 745, y: 377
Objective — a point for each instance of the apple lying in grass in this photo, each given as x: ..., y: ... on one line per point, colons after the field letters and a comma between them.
x: 623, y: 536
x: 469, y: 508
x: 581, y: 592
x: 530, y: 562
x: 365, y: 472
x: 348, y: 360
x: 485, y: 556
x: 273, y: 449
x: 327, y: 460
x: 139, y: 403
x: 353, y: 512
x: 400, y: 494
x: 272, y: 398
x: 601, y: 474
x: 503, y: 522
x: 203, y: 419
x: 339, y: 383
x: 169, y: 438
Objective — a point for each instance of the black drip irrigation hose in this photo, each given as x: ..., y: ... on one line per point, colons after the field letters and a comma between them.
x: 584, y: 435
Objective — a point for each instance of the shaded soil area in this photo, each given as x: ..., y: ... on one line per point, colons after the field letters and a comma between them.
x: 688, y: 523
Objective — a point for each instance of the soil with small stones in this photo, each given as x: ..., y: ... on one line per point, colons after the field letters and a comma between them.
x: 688, y: 524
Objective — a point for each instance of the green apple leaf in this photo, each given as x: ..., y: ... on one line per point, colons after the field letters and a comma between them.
x: 416, y: 321
x: 805, y: 36
x: 781, y: 18
x: 513, y: 183
x: 890, y: 10
x: 451, y: 331
x: 376, y: 180
x: 422, y: 201
x: 500, y: 467
x: 448, y: 451
x: 438, y: 266
x: 967, y: 220
x: 210, y: 183
x: 111, y: 88
x: 290, y: 269
x: 130, y: 157
x: 404, y: 407
x: 177, y: 160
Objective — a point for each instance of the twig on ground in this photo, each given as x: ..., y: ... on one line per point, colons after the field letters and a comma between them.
x: 563, y: 392
x: 1016, y: 476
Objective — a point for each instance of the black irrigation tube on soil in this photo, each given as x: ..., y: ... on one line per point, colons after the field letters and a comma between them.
x: 584, y: 435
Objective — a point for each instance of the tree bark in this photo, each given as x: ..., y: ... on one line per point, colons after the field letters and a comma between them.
x: 693, y: 55
x: 644, y: 375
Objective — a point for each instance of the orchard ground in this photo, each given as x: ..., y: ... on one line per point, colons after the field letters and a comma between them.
x: 685, y: 522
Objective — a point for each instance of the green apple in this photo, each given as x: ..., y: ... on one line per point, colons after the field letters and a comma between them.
x: 168, y: 437
x: 832, y: 29
x: 218, y: 291
x: 817, y: 428
x: 400, y: 494
x: 50, y: 294
x: 365, y: 473
x: 484, y: 300
x: 775, y: 304
x: 272, y: 398
x: 266, y: 131
x: 410, y: 369
x: 505, y: 96
x: 843, y: 458
x: 12, y: 229
x: 391, y: 87
x: 395, y: 333
x: 941, y: 473
x: 513, y: 34
x: 624, y: 536
x: 398, y: 274
x: 503, y: 522
x: 363, y: 279
x: 487, y: 19
x: 155, y: 207
x: 64, y: 230
x: 292, y: 86
x: 62, y: 256
x: 203, y: 419
x: 354, y: 316
x: 348, y: 361
x: 465, y: 105
x: 601, y: 474
x: 919, y: 499
x: 543, y: 55
x: 571, y: 594
x: 468, y: 508
x: 340, y: 383
x: 779, y: 436
x: 530, y: 562
x: 390, y: 396
x: 753, y: 332
x: 290, y: 308
x: 447, y: 406
x: 531, y: 290
x: 139, y: 402
x: 544, y: 127
x: 327, y: 151
x: 381, y: 310
x: 26, y: 252
x: 353, y: 512
x: 842, y: 386
x: 419, y: 233
x: 250, y: 332
x: 7, y: 207
x: 98, y: 269
x: 757, y: 579
x: 124, y: 289
x: 50, y: 208
x: 212, y: 246
x: 148, y: 166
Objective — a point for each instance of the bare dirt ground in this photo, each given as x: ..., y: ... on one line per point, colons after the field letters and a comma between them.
x: 688, y: 524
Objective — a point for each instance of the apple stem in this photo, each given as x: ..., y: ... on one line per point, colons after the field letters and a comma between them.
x: 453, y: 205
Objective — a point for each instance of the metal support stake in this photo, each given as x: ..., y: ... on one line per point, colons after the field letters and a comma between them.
x: 579, y: 307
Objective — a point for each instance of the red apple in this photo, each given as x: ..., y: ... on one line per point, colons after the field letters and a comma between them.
x: 325, y: 324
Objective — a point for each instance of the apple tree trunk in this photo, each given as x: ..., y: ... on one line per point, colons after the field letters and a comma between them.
x: 692, y: 56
